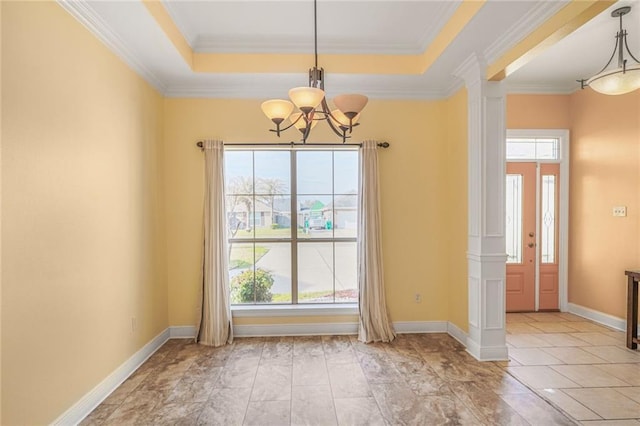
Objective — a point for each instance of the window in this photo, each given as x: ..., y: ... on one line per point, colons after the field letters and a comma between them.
x: 280, y: 257
x: 533, y: 149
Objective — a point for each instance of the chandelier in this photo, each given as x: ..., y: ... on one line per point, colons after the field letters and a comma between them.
x: 620, y: 79
x: 312, y: 104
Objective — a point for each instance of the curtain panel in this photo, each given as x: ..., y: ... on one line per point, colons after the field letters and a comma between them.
x: 215, y: 326
x: 374, y: 324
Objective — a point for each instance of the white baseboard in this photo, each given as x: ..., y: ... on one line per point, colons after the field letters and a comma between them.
x: 597, y: 316
x: 404, y: 327
x: 457, y: 333
x: 95, y: 396
x: 487, y: 353
x: 182, y: 332
x: 311, y: 329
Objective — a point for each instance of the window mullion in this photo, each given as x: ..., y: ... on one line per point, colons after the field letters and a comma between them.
x: 294, y: 228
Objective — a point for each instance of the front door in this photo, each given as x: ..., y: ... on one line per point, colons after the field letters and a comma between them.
x: 531, y: 236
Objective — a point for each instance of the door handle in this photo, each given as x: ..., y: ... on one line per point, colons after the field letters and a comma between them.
x: 531, y: 234
x: 530, y: 245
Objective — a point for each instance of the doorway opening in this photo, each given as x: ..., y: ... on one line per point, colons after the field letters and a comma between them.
x: 536, y: 220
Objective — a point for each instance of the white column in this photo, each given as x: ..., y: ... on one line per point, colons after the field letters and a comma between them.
x: 486, y: 253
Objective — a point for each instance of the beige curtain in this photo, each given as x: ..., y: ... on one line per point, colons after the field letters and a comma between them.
x: 374, y: 323
x: 214, y: 322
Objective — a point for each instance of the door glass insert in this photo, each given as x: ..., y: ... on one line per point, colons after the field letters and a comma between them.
x: 548, y: 219
x: 513, y: 235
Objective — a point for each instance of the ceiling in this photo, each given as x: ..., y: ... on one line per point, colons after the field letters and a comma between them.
x: 389, y: 49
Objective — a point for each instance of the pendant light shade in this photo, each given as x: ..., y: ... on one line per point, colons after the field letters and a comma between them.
x: 306, y: 98
x: 616, y: 81
x: 351, y: 104
x: 621, y: 77
x: 277, y: 109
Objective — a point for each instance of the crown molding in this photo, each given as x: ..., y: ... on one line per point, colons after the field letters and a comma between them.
x: 246, y: 92
x: 84, y: 13
x: 522, y: 28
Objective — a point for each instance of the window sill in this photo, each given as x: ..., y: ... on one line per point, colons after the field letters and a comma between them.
x: 239, y: 311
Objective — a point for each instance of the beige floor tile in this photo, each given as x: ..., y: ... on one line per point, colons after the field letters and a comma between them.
x: 632, y: 392
x: 568, y: 316
x: 610, y: 423
x: 226, y: 406
x: 569, y: 405
x: 522, y: 328
x: 272, y: 383
x: 589, y: 326
x: 614, y: 354
x: 630, y: 373
x: 348, y: 381
x: 183, y: 413
x: 588, y: 376
x: 541, y: 377
x: 555, y: 327
x: 358, y: 412
x: 312, y: 405
x: 533, y: 356
x: 562, y: 339
x: 535, y: 410
x: 606, y: 402
x: 338, y: 350
x: 573, y: 355
x: 545, y: 317
x: 261, y: 413
x: 516, y: 317
x: 595, y: 338
x: 526, y: 341
x: 310, y: 371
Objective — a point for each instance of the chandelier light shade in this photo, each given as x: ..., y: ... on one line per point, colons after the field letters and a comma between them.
x: 306, y: 98
x: 312, y: 104
x: 277, y: 109
x: 624, y: 76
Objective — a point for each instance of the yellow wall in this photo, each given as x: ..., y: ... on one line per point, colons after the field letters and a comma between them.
x: 413, y: 185
x: 82, y: 236
x: 604, y: 172
x: 457, y: 216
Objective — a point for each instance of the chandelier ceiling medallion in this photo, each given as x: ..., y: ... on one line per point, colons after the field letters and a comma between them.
x: 312, y: 104
x: 623, y: 77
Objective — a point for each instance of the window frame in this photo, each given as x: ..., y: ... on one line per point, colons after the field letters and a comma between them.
x: 296, y: 307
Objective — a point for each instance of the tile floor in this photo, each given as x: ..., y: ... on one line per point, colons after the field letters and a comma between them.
x: 563, y: 370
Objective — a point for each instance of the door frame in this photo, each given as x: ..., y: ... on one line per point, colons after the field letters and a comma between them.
x: 563, y: 232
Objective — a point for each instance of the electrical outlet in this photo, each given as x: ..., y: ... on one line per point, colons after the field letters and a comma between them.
x: 620, y: 211
x: 134, y: 324
x: 418, y: 298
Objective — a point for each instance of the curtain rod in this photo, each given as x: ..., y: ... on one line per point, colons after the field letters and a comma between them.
x: 199, y: 144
